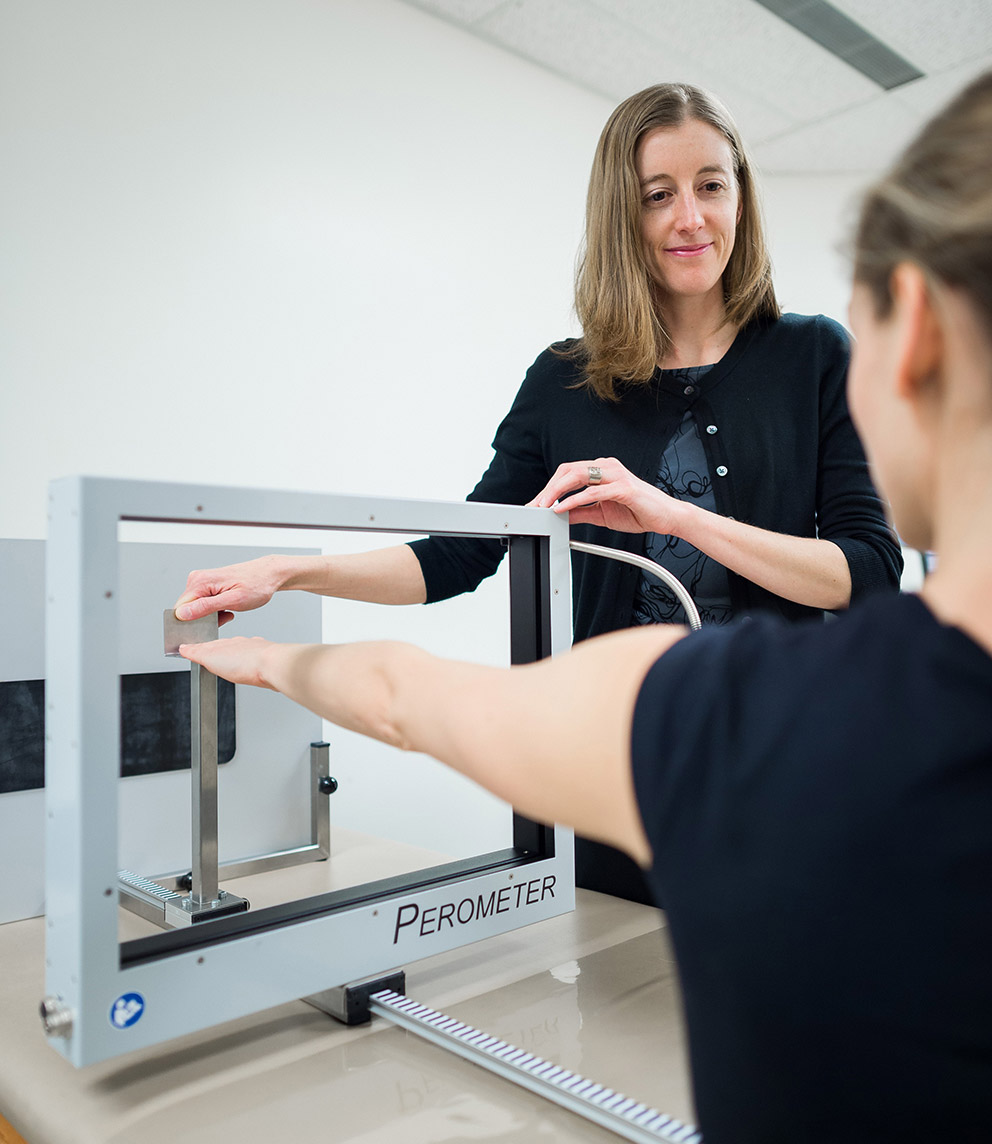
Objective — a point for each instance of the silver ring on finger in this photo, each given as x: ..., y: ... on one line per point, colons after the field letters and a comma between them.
x: 595, y: 474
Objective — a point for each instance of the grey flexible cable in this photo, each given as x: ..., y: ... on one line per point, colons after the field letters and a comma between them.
x: 647, y: 565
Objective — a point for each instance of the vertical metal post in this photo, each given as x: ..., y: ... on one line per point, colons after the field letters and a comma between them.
x: 320, y: 812
x: 203, y: 758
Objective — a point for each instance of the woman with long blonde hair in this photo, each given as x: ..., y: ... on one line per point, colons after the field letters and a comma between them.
x: 715, y: 429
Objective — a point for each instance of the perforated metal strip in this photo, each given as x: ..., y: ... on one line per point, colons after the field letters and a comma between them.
x: 603, y: 1106
x: 148, y: 886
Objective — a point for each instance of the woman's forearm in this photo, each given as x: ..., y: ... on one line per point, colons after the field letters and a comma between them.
x: 382, y: 576
x: 803, y: 569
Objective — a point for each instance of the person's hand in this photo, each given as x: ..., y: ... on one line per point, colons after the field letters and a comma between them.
x: 236, y: 588
x: 239, y: 660
x: 619, y: 501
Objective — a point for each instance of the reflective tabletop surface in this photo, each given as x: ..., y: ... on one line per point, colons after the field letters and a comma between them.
x: 594, y: 991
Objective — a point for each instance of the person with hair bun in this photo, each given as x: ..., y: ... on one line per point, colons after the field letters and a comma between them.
x: 715, y: 430
x: 813, y: 802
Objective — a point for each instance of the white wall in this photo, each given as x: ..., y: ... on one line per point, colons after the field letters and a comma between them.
x: 308, y: 244
x: 810, y: 220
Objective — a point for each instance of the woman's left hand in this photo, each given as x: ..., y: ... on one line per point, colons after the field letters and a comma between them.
x: 619, y: 500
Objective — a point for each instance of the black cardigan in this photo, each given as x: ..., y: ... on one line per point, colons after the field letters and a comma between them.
x: 783, y: 435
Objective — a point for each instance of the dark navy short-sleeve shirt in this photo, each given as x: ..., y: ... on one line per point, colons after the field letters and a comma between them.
x: 819, y: 804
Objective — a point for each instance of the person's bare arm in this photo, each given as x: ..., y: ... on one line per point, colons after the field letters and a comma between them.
x: 383, y: 576
x: 552, y: 738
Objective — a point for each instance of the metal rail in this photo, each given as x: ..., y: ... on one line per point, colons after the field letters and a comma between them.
x: 603, y: 1106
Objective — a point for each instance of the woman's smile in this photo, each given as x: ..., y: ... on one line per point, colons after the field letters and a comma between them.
x: 689, y: 251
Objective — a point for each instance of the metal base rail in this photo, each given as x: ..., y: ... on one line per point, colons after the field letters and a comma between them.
x: 603, y: 1106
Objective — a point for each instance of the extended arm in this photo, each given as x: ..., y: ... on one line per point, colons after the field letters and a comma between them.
x: 552, y: 738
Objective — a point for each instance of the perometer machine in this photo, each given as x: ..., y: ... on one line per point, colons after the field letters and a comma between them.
x: 217, y: 959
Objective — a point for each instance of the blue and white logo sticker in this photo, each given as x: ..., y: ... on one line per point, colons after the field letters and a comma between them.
x: 126, y: 1010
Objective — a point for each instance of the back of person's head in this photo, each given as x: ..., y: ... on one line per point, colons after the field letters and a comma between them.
x: 920, y: 385
x: 934, y: 208
x: 624, y: 335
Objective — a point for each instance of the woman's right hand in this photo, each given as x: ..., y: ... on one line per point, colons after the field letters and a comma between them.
x: 618, y: 500
x: 236, y: 588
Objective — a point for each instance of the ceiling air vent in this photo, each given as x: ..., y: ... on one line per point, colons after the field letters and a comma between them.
x: 839, y: 34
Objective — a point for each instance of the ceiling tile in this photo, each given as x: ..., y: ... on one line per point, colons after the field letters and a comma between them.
x: 862, y: 139
x: 465, y: 12
x: 928, y: 95
x: 743, y: 45
x: 590, y: 46
x: 933, y: 34
x: 577, y: 37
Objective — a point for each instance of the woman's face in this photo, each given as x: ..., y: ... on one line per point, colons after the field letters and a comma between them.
x: 690, y: 207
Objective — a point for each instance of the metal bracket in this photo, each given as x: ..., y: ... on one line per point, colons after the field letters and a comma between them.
x: 350, y: 1003
x: 166, y: 900
x: 161, y: 899
x: 168, y: 908
x: 206, y: 899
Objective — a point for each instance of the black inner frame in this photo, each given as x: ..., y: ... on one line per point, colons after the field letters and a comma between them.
x: 530, y: 640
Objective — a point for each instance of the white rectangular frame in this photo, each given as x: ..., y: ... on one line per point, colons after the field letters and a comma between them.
x: 228, y: 976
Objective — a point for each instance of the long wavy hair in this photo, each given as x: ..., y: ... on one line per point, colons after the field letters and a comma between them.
x: 934, y: 207
x: 624, y: 331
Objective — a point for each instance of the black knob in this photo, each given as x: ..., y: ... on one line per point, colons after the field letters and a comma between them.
x: 327, y: 784
x: 185, y: 882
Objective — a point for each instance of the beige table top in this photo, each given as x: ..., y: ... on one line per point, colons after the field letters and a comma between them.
x: 594, y: 990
